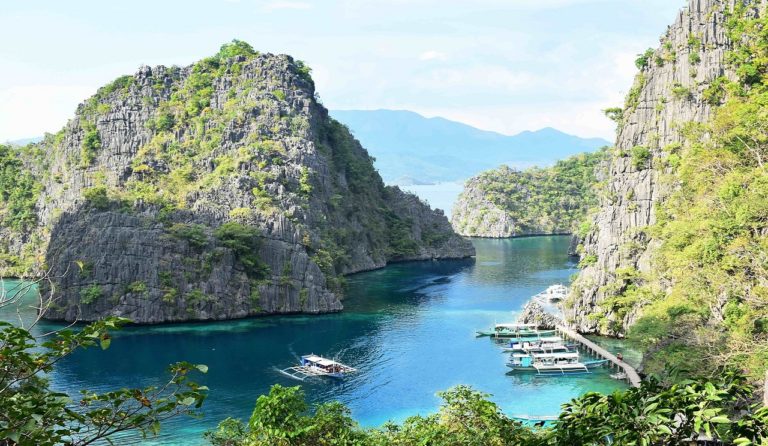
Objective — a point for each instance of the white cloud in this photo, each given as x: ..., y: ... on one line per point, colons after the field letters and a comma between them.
x: 276, y: 5
x: 432, y: 55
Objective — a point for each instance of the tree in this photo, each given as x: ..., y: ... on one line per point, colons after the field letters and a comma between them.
x: 654, y: 414
x: 31, y: 413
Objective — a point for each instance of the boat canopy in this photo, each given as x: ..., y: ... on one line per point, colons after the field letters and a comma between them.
x: 542, y: 340
x: 515, y: 326
x: 319, y: 360
x: 565, y: 355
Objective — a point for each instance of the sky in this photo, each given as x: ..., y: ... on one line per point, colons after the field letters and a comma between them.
x: 501, y: 65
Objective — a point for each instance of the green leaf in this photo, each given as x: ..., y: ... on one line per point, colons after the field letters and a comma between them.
x: 202, y: 367
x: 105, y: 342
x: 719, y: 419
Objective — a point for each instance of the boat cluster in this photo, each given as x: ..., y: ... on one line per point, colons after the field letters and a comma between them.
x: 540, y: 351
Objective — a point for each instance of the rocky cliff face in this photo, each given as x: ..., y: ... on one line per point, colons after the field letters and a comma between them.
x: 474, y: 215
x: 215, y: 191
x: 670, y: 91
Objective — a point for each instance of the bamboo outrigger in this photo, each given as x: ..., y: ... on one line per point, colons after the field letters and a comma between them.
x: 560, y: 363
x: 314, y: 365
x: 520, y: 331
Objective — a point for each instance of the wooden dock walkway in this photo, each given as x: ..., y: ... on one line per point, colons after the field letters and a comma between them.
x: 632, y: 376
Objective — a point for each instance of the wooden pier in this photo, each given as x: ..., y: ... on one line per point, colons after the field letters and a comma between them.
x: 629, y: 371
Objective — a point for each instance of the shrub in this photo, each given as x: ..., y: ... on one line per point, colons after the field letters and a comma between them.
x: 90, y: 294
x: 194, y: 234
x: 680, y: 92
x: 235, y: 48
x: 304, y: 70
x: 97, y: 197
x: 19, y: 191
x: 90, y: 145
x: 241, y: 213
x: 279, y: 94
x: 640, y: 157
x: 587, y: 260
x: 694, y: 57
x: 643, y: 60
x: 714, y: 94
x: 633, y: 97
x: 164, y: 121
x: 137, y: 287
x: 244, y: 241
x: 615, y: 114
x: 305, y: 181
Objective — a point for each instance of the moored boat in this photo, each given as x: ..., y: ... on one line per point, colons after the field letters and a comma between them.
x: 553, y: 294
x: 544, y: 345
x: 315, y: 365
x: 559, y: 363
x: 516, y: 331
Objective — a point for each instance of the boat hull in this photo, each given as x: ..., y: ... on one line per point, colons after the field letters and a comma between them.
x: 496, y: 334
x: 557, y: 371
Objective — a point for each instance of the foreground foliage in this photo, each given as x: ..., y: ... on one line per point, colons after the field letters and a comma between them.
x: 33, y: 414
x: 653, y: 414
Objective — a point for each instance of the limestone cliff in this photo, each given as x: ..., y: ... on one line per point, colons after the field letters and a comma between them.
x: 669, y: 92
x: 214, y: 191
x: 504, y: 202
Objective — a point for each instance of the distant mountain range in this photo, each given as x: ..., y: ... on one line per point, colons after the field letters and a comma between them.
x: 432, y: 157
x: 25, y: 141
x: 411, y: 149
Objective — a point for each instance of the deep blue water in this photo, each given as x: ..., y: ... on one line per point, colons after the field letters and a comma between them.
x: 408, y: 328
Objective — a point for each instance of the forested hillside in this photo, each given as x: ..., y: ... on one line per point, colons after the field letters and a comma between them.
x: 505, y: 202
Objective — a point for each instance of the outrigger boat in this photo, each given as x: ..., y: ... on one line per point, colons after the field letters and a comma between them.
x: 545, y: 345
x: 314, y: 365
x: 553, y: 294
x: 519, y: 331
x: 560, y: 363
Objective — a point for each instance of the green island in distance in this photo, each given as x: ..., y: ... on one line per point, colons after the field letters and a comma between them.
x: 253, y: 202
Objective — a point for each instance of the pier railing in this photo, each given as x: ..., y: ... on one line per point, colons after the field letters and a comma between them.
x: 632, y: 376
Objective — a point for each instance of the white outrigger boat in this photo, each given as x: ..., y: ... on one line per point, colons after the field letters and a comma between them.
x: 314, y: 365
x: 552, y: 344
x: 560, y: 363
x: 553, y: 294
x: 520, y: 331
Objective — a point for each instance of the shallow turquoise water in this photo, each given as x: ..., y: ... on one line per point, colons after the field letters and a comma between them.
x: 409, y: 328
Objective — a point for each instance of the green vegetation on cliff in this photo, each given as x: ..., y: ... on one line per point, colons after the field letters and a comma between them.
x: 704, y: 302
x: 224, y: 187
x: 19, y: 191
x: 505, y: 202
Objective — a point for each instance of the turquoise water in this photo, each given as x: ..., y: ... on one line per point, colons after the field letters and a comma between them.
x: 408, y: 328
x: 632, y: 355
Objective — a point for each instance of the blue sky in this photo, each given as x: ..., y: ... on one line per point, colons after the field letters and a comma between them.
x: 503, y: 65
